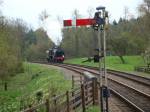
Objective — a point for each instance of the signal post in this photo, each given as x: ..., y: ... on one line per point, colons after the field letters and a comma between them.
x: 100, y: 25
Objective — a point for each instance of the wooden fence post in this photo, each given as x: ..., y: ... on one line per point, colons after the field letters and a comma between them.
x: 93, y: 88
x: 80, y: 79
x: 95, y: 92
x: 68, y: 101
x: 5, y: 86
x: 83, y: 97
x: 47, y: 105
x: 73, y: 82
x: 73, y: 85
x: 55, y: 104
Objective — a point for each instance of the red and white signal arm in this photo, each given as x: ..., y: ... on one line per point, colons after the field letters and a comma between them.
x: 79, y: 22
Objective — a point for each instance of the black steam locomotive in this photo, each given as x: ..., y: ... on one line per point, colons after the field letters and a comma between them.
x: 55, y: 55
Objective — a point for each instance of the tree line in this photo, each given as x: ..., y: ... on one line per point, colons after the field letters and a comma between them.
x: 124, y: 37
x: 19, y: 43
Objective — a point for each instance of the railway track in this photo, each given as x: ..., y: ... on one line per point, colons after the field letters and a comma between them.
x: 130, y: 76
x: 127, y: 79
x: 141, y: 100
x: 130, y: 93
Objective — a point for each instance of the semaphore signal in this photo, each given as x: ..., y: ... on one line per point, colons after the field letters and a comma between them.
x: 100, y: 24
x: 79, y: 22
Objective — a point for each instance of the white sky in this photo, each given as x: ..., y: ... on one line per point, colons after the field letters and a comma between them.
x: 29, y: 11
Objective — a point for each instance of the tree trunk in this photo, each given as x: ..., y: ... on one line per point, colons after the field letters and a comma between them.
x: 77, y: 46
x: 122, y: 59
x: 5, y: 86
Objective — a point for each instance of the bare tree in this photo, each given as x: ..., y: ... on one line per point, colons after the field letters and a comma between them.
x: 147, y: 3
x: 44, y: 15
x: 1, y: 2
x: 76, y: 14
x: 144, y: 8
x: 90, y: 12
x: 126, y: 12
x: 42, y: 18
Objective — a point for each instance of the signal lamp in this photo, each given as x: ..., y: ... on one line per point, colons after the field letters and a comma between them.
x: 100, y: 8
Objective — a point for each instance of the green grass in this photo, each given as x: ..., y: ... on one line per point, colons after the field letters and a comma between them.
x: 24, y: 86
x: 89, y: 109
x: 113, y: 62
x: 93, y: 109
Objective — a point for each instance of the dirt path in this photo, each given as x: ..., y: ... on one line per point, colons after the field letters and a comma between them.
x: 67, y: 73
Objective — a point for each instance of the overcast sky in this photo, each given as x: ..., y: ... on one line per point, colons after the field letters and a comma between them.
x: 29, y: 10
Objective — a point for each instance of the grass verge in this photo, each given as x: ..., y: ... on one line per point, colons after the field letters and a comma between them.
x: 36, y: 78
x: 113, y: 62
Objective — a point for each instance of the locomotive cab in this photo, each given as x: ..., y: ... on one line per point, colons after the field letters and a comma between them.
x: 50, y: 55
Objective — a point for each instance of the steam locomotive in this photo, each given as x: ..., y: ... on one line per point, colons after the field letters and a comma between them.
x: 55, y: 55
